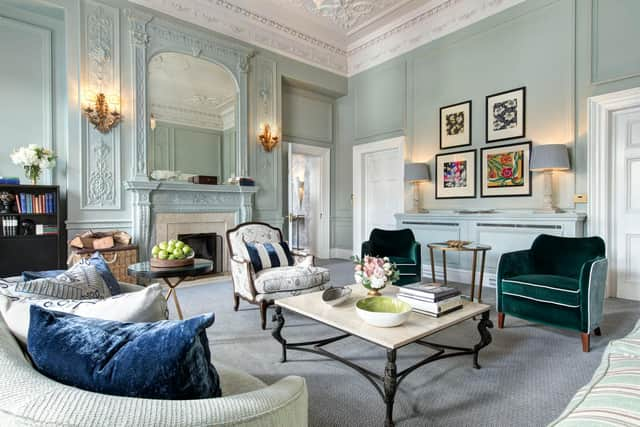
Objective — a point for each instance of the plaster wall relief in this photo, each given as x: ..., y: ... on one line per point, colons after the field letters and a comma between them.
x: 100, y: 187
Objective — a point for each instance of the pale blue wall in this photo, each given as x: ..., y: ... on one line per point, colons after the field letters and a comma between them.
x: 563, y: 51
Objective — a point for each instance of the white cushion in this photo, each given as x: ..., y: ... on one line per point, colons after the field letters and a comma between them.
x: 290, y: 278
x: 147, y: 305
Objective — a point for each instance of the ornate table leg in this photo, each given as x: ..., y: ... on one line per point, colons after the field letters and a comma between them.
x: 279, y: 318
x: 485, y: 337
x: 390, y: 382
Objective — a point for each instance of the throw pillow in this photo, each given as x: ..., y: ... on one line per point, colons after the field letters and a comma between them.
x: 82, y: 281
x: 146, y: 305
x: 162, y: 360
x: 269, y: 255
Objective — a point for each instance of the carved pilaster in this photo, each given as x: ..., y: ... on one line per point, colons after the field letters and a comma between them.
x: 142, y: 222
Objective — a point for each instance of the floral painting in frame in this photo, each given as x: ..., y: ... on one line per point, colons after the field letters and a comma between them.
x: 506, y: 115
x: 504, y: 170
x: 456, y: 175
x: 455, y: 125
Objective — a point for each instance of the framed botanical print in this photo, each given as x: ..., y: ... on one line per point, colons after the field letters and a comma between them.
x: 506, y: 115
x: 456, y: 175
x: 504, y: 170
x: 455, y: 125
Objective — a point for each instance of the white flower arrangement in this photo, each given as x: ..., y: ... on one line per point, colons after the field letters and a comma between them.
x: 34, y: 159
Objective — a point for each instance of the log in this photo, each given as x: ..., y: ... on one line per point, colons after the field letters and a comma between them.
x: 103, y: 242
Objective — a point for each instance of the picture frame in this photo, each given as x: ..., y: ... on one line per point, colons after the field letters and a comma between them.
x: 456, y: 175
x: 505, y: 171
x: 506, y: 115
x: 455, y: 125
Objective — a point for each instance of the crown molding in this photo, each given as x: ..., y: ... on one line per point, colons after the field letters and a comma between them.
x: 422, y: 25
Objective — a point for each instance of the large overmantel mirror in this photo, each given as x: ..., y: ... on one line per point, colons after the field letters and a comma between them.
x: 192, y: 105
x: 190, y: 98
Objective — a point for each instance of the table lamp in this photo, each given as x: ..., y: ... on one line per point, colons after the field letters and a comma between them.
x: 415, y: 173
x: 549, y: 158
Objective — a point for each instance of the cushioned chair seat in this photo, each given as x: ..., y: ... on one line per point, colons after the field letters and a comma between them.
x: 288, y: 279
x: 544, y: 288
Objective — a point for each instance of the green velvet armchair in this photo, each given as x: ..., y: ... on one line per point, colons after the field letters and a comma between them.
x: 401, y: 248
x: 560, y: 282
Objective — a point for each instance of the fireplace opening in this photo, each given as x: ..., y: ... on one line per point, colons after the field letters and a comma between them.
x: 207, y: 246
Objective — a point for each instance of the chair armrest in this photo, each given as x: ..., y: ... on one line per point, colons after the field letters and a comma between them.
x: 415, y: 253
x: 303, y: 258
x: 242, y: 277
x: 593, y: 284
x: 512, y: 264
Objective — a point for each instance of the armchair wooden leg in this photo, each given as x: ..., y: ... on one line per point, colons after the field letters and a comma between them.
x: 585, y: 342
x: 236, y: 301
x: 500, y: 320
x: 263, y: 314
x: 597, y: 332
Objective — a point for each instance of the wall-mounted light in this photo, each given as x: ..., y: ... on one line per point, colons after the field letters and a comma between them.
x: 268, y: 136
x: 100, y: 114
x: 152, y: 122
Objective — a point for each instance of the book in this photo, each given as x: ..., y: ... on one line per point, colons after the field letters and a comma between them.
x: 432, y: 307
x: 429, y: 292
x: 426, y: 313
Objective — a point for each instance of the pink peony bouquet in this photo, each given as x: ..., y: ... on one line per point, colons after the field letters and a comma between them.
x: 375, y: 273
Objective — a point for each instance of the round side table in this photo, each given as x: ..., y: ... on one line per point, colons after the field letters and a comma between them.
x: 145, y: 270
x: 472, y: 247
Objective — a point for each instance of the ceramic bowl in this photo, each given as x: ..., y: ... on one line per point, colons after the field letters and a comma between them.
x: 335, y: 296
x: 383, y: 312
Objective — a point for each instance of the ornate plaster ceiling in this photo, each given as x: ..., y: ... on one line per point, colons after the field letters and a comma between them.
x: 343, y: 36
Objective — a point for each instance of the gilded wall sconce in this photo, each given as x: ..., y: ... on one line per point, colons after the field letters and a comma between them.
x: 100, y: 115
x: 268, y: 137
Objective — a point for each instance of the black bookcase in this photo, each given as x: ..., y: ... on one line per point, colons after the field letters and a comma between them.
x: 20, y: 251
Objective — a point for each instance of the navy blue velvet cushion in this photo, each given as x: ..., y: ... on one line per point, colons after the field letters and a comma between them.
x: 96, y: 260
x: 161, y: 360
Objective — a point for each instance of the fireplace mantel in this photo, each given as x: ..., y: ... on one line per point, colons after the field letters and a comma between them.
x: 152, y: 197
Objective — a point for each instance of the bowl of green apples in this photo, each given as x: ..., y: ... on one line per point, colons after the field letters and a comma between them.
x: 171, y: 254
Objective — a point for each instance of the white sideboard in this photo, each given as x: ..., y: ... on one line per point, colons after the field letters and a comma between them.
x: 504, y: 231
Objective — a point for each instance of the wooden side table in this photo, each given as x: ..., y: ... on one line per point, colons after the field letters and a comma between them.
x: 472, y: 247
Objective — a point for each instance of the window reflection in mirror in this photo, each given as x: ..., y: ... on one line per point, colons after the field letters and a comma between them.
x: 193, y: 103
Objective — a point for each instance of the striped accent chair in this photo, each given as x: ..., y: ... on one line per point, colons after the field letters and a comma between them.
x: 263, y: 268
x: 401, y: 248
x: 560, y: 282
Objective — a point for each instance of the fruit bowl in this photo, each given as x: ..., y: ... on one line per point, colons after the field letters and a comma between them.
x: 383, y: 312
x: 170, y: 263
x: 171, y: 254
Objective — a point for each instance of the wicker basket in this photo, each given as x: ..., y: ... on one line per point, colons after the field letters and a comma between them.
x: 118, y: 258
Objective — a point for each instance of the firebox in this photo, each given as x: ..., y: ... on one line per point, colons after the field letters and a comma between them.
x: 207, y: 246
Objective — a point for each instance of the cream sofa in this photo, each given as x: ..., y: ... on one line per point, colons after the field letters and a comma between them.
x: 28, y: 398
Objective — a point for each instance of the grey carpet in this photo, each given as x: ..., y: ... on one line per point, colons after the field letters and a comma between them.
x: 529, y: 372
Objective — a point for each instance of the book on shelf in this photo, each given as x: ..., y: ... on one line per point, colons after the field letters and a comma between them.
x: 428, y: 313
x: 39, y: 204
x: 442, y: 306
x: 429, y: 292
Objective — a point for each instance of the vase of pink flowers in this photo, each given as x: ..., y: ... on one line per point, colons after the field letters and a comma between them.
x: 375, y: 273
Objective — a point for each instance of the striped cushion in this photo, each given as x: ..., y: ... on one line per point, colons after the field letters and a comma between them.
x: 269, y: 255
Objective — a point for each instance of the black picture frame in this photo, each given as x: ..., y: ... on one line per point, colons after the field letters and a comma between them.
x: 468, y: 124
x: 508, y: 135
x: 525, y: 163
x: 471, y: 174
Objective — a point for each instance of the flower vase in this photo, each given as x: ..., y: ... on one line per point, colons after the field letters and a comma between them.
x: 33, y: 173
x: 374, y: 293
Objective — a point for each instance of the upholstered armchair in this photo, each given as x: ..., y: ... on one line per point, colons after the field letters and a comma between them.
x: 401, y: 248
x: 265, y: 286
x: 560, y: 282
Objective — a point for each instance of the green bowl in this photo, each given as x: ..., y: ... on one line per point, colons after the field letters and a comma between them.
x: 383, y: 312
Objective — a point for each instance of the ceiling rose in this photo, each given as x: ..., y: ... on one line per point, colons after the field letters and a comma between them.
x: 347, y: 13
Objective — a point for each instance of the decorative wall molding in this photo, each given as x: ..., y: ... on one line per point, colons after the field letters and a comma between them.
x: 100, y: 159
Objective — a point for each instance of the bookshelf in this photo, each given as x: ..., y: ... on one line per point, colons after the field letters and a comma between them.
x: 32, y: 233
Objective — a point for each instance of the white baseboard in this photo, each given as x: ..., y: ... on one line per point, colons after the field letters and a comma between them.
x: 341, y: 253
x: 459, y: 275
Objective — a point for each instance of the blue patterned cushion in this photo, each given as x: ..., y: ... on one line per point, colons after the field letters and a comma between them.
x: 161, y: 360
x: 269, y: 255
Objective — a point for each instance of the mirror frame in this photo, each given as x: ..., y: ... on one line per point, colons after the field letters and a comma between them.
x: 150, y: 36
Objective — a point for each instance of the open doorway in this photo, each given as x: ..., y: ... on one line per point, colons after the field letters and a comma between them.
x: 309, y: 196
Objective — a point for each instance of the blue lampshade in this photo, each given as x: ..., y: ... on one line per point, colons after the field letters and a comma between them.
x: 549, y: 157
x: 417, y: 172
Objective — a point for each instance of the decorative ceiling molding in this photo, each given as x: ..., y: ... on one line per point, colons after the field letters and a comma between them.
x: 328, y: 47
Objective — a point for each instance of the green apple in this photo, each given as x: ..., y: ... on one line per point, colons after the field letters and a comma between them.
x: 177, y: 251
x: 172, y: 256
x: 172, y: 242
x: 163, y: 254
x: 162, y: 246
x: 180, y: 256
x: 155, y: 250
x: 186, y: 249
x: 179, y: 244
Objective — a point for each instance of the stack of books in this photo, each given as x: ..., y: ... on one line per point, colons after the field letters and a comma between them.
x: 41, y: 204
x: 431, y: 300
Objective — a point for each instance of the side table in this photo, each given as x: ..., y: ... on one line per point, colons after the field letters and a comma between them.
x: 145, y: 270
x: 472, y: 247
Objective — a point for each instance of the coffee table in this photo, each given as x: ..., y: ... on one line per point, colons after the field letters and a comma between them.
x: 414, y: 331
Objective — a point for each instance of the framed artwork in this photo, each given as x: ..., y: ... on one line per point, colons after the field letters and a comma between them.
x: 456, y: 175
x: 504, y: 170
x: 506, y: 115
x: 455, y: 125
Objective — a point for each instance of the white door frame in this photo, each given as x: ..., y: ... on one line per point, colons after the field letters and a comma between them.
x: 600, y: 138
x: 324, y: 226
x: 358, y: 175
